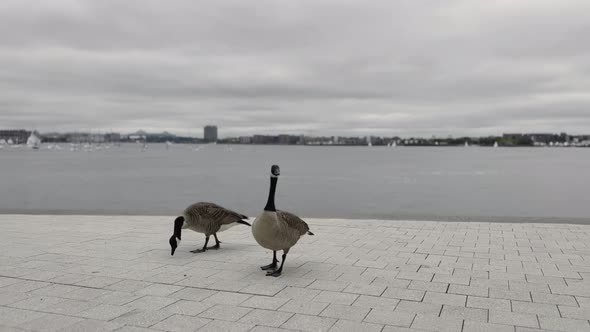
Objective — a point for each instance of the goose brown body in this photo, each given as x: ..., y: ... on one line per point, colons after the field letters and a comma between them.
x: 278, y: 230
x: 207, y: 218
x: 210, y: 218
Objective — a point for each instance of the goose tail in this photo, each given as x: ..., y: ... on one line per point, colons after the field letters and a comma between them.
x: 243, y: 222
x: 310, y: 233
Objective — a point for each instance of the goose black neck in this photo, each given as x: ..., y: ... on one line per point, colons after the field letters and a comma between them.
x: 178, y: 223
x: 270, y: 204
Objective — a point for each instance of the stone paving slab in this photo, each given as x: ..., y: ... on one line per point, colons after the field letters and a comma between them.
x: 115, y: 273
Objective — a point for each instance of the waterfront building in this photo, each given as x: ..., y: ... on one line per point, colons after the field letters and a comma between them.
x: 210, y: 133
x: 17, y: 136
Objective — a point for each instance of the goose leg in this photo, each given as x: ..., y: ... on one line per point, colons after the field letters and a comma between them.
x: 217, y: 242
x: 204, y: 247
x: 277, y: 273
x: 272, y: 265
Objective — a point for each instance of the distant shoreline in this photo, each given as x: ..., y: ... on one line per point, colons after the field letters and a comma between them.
x: 45, y: 144
x: 394, y: 217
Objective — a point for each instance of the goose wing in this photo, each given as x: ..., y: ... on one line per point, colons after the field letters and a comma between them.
x: 218, y: 213
x: 293, y: 221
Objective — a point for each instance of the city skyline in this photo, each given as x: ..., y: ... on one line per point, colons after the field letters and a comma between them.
x: 210, y: 134
x: 16, y: 137
x: 312, y: 67
x: 198, y: 132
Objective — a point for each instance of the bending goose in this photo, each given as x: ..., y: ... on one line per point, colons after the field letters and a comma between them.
x: 277, y: 230
x: 206, y: 218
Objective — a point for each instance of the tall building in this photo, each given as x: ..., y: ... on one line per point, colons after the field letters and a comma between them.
x: 210, y: 133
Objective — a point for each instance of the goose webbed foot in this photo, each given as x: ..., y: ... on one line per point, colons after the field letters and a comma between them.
x: 217, y: 242
x: 275, y: 273
x: 205, y: 246
x: 272, y: 265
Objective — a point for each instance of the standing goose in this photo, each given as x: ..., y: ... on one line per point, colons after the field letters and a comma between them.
x: 277, y: 230
x: 207, y: 218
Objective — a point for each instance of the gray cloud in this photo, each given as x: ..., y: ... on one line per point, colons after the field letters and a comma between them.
x: 313, y: 67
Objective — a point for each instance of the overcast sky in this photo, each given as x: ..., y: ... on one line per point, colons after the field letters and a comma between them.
x: 308, y: 66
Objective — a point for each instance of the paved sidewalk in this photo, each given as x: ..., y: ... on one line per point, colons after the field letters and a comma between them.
x: 103, y: 273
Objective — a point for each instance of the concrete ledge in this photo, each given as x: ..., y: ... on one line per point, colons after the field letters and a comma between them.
x: 115, y: 273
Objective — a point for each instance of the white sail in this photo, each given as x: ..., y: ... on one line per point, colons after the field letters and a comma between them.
x: 495, y: 144
x: 33, y: 141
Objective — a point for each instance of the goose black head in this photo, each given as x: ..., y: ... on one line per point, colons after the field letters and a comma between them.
x: 173, y: 244
x: 175, y: 238
x: 275, y: 170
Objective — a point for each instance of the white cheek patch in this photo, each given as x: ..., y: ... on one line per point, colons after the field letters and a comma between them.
x: 184, y: 224
x: 177, y: 242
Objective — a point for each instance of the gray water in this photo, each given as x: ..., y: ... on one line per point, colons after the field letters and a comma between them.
x: 454, y: 183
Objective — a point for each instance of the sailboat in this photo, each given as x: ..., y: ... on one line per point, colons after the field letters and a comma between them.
x: 495, y: 144
x: 466, y: 144
x: 33, y: 141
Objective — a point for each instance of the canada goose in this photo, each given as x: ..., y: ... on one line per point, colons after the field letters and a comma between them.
x: 277, y: 230
x: 207, y: 218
